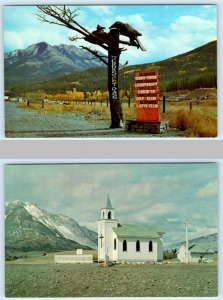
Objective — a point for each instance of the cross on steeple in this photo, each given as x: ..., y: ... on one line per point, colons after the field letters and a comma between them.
x: 101, y: 237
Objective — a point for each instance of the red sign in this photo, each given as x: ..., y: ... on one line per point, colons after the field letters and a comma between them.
x: 147, y: 96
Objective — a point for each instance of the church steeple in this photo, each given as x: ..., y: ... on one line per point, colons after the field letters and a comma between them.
x: 105, y: 231
x: 108, y: 202
x: 107, y: 213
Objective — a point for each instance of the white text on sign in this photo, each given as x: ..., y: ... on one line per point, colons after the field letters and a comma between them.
x: 147, y: 105
x: 146, y: 84
x: 145, y: 77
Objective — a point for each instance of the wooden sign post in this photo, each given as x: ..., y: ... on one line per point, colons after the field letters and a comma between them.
x: 113, y: 87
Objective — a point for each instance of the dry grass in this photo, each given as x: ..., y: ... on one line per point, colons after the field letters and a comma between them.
x: 201, y: 121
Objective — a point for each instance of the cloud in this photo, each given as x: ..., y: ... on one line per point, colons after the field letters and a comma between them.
x: 185, y: 24
x: 23, y: 39
x: 172, y: 220
x: 161, y: 194
x: 101, y: 10
x: 209, y: 190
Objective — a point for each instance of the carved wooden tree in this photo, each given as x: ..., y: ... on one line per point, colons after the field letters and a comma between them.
x: 63, y: 16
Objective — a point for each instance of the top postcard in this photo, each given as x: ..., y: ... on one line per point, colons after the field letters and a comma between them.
x: 110, y: 71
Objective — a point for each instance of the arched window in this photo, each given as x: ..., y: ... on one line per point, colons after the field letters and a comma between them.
x: 109, y: 215
x: 150, y: 246
x: 138, y: 245
x: 103, y: 215
x: 124, y: 245
x: 114, y: 244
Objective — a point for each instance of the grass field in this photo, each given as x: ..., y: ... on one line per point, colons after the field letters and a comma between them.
x: 39, y: 276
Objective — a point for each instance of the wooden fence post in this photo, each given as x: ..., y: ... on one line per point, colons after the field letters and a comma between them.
x: 191, y: 105
x: 164, y: 104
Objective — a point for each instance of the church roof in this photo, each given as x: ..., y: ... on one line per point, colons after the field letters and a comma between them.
x: 138, y: 231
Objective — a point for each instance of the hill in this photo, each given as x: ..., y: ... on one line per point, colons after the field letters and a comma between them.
x: 204, y: 242
x: 29, y: 228
x: 190, y: 70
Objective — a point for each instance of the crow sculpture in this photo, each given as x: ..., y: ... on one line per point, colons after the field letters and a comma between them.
x: 127, y: 30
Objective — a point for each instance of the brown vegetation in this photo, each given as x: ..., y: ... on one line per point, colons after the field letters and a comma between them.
x: 197, y: 118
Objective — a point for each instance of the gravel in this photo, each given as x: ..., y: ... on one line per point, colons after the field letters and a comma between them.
x: 153, y: 280
x: 26, y: 122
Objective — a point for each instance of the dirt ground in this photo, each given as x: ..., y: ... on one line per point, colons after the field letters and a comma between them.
x: 150, y: 280
x: 23, y: 122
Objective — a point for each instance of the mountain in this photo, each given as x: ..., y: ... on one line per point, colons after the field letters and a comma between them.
x: 41, y: 61
x: 190, y: 70
x: 204, y: 242
x: 28, y: 228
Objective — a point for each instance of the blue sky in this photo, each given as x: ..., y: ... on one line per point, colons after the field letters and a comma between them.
x: 162, y: 194
x: 167, y: 30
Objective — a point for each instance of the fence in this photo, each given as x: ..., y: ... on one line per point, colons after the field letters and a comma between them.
x: 129, y: 102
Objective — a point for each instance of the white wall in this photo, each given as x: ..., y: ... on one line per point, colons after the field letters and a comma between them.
x: 160, y: 249
x: 105, y: 227
x: 74, y: 259
x: 193, y: 257
x: 132, y: 255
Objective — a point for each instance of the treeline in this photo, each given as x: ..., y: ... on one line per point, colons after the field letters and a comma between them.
x: 190, y: 83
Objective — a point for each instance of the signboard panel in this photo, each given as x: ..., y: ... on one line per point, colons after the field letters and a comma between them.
x: 147, y: 96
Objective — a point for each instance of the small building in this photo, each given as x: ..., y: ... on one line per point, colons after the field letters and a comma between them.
x: 196, y: 253
x: 127, y: 242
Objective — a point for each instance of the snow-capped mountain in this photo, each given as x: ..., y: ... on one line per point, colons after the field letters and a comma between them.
x: 27, y: 227
x: 42, y: 61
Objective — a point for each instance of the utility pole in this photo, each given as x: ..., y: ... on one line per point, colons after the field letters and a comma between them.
x: 186, y: 250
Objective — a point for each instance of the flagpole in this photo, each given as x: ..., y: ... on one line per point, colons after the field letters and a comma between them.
x: 187, y: 248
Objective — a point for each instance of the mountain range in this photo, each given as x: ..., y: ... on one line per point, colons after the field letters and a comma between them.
x: 60, y: 68
x: 42, y: 61
x: 204, y: 242
x: 28, y: 228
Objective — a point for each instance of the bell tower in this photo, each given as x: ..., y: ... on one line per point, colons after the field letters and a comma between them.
x: 107, y: 213
x: 105, y: 232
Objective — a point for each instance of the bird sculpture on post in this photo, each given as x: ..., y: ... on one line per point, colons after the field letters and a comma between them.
x: 127, y: 30
x: 98, y: 36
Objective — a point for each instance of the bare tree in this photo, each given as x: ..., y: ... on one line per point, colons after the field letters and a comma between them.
x: 109, y: 41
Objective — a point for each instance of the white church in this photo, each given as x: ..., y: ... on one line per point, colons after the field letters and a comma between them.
x: 127, y: 242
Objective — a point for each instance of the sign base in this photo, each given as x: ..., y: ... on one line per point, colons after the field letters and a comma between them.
x: 146, y: 127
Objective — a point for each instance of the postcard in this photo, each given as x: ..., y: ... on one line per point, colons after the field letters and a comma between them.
x: 111, y: 230
x: 110, y: 71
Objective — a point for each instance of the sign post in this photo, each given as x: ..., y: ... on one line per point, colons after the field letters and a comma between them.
x: 147, y: 96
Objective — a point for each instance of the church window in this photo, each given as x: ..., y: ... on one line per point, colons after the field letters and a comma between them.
x: 138, y: 245
x: 150, y: 246
x: 114, y: 244
x: 124, y: 245
x: 109, y: 215
x: 103, y: 215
